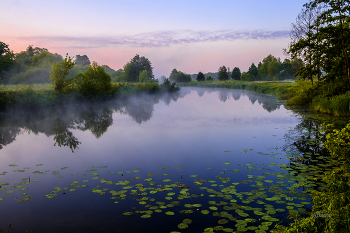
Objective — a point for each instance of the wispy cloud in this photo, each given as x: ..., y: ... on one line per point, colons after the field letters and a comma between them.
x: 157, y: 39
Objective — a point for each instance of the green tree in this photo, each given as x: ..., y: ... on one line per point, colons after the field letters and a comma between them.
x: 245, y: 76
x: 180, y: 77
x: 45, y: 58
x: 143, y: 77
x: 200, y: 77
x: 236, y: 73
x: 82, y: 60
x: 93, y: 81
x: 6, y: 57
x: 209, y: 78
x: 304, y: 42
x: 137, y: 64
x: 273, y: 69
x: 253, y: 70
x: 111, y: 71
x: 331, y: 38
x: 174, y: 71
x: 25, y: 58
x: 269, y: 68
x: 58, y: 74
x: 223, y: 74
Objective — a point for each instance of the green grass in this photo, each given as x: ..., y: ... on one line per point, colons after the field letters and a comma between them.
x: 44, y: 95
x: 282, y: 89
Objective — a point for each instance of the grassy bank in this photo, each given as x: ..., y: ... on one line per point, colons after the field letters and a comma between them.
x: 326, y: 98
x: 44, y: 95
x: 282, y: 89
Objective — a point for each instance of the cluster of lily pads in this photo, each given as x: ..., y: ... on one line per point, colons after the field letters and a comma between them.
x: 282, y: 188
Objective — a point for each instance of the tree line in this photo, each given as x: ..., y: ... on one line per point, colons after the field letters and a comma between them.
x: 34, y: 64
x: 269, y: 69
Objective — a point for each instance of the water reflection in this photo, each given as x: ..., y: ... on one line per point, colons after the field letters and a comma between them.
x: 63, y: 136
x: 8, y: 135
x: 94, y: 117
x: 97, y: 117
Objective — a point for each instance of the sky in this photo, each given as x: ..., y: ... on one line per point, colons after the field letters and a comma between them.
x: 189, y: 35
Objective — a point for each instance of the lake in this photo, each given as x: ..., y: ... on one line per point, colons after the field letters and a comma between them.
x: 200, y: 160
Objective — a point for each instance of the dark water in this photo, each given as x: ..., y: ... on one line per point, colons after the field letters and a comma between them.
x: 60, y: 167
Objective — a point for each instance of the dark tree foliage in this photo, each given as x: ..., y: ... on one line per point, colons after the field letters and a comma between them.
x: 93, y: 81
x: 6, y: 57
x: 133, y: 69
x: 180, y: 77
x: 113, y: 73
x: 200, y: 77
x: 326, y: 46
x: 236, y: 73
x: 302, y: 35
x: 4, y: 48
x: 25, y: 58
x: 223, y: 73
x: 253, y: 70
x: 82, y: 60
x: 209, y: 78
x: 168, y: 86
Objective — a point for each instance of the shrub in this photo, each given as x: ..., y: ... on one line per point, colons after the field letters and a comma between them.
x: 93, y: 81
x: 58, y: 74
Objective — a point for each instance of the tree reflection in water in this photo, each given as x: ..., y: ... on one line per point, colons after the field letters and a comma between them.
x: 95, y: 117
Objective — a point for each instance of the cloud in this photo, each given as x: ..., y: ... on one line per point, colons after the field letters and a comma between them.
x: 156, y: 39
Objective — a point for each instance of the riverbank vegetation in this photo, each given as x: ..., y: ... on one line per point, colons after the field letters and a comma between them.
x: 36, y: 77
x: 331, y: 209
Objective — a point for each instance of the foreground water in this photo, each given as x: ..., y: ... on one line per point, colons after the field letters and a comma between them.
x: 200, y: 160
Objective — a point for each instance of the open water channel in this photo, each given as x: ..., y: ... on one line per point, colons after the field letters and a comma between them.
x: 200, y: 160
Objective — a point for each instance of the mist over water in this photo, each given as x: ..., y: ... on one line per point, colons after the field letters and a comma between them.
x: 197, y: 128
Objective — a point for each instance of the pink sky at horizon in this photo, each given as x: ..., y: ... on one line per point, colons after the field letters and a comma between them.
x: 189, y: 58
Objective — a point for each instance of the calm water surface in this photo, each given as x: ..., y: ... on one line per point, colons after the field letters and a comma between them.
x: 60, y: 167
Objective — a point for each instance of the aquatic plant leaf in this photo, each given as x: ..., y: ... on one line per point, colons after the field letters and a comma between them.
x: 209, y: 229
x: 205, y: 211
x: 227, y: 230
x: 187, y: 221
x: 227, y: 163
x: 223, y: 221
x: 182, y: 226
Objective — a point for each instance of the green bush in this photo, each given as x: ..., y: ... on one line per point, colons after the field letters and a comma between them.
x: 169, y: 87
x: 209, y: 78
x: 32, y: 75
x: 58, y: 74
x: 94, y: 81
